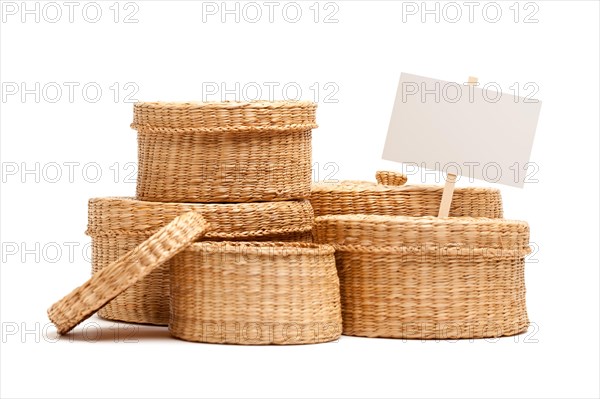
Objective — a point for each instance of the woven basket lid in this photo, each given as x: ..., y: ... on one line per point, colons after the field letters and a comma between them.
x: 105, y: 285
x: 392, y: 182
x: 393, y: 197
x: 124, y: 215
x: 379, y: 233
x: 227, y: 116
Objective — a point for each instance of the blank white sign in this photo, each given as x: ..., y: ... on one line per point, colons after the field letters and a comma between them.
x: 461, y: 129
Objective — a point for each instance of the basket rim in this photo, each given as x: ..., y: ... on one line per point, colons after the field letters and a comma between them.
x: 200, y: 204
x: 270, y: 247
x: 301, y: 206
x: 361, y: 186
x: 425, y: 234
x: 258, y: 104
x: 224, y: 117
x: 421, y: 220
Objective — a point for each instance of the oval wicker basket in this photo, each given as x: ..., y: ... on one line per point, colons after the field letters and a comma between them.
x: 224, y: 152
x: 428, y: 277
x: 117, y: 225
x: 255, y: 293
x: 390, y: 197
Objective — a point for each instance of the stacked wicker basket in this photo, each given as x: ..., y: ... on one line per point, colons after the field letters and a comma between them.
x: 246, y: 168
x: 218, y: 242
x: 405, y: 273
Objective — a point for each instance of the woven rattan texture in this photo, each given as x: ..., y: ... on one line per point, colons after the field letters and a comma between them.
x: 126, y: 271
x: 359, y: 197
x: 255, y: 293
x: 390, y: 178
x: 211, y: 117
x: 224, y: 152
x: 429, y: 278
x: 117, y: 225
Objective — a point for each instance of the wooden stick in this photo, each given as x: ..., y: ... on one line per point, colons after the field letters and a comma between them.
x: 447, y: 196
x: 450, y: 180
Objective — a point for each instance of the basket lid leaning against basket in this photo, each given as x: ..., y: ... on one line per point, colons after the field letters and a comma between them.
x: 428, y: 277
x: 390, y: 196
x: 224, y: 151
x: 118, y: 224
x: 128, y: 269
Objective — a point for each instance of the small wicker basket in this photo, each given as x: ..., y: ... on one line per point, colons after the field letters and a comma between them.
x: 118, y: 225
x: 390, y: 197
x: 224, y: 152
x: 255, y: 293
x: 428, y: 277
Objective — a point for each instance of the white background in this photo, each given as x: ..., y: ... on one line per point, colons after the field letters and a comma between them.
x: 167, y: 55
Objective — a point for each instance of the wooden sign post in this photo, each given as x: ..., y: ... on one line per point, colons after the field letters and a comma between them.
x: 450, y: 180
x: 447, y: 196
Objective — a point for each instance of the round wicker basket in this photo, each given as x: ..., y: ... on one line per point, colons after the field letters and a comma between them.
x: 428, y: 277
x: 255, y: 293
x: 390, y: 197
x: 224, y: 152
x: 118, y: 225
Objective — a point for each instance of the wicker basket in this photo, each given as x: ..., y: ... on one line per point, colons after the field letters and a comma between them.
x: 224, y: 152
x: 391, y: 198
x: 255, y: 293
x: 117, y: 225
x: 428, y: 277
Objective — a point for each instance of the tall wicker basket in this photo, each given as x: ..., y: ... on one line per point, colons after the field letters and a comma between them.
x: 429, y: 277
x: 224, y: 152
x: 118, y: 225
